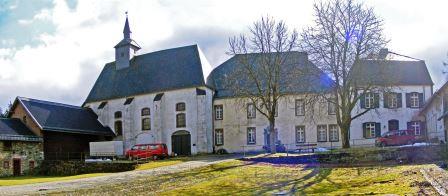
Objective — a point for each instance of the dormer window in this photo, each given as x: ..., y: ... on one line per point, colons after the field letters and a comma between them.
x: 102, y: 105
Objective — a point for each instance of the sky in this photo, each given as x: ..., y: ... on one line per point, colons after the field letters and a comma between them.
x: 55, y: 49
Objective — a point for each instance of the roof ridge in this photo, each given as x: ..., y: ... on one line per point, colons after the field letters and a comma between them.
x: 50, y: 102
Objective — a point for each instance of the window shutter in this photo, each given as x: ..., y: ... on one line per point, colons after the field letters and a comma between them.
x: 422, y: 128
x: 363, y: 101
x: 376, y: 97
x: 399, y: 100
x: 420, y: 100
x: 386, y: 99
x: 364, y: 130
x: 409, y: 125
x: 377, y: 129
x: 408, y: 100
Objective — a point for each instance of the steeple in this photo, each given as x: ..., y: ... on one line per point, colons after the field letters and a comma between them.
x: 126, y: 49
x: 127, y: 31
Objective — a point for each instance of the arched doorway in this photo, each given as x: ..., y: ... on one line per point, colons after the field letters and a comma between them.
x: 181, y: 142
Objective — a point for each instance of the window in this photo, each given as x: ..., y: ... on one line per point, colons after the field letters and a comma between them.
x: 118, y: 127
x: 128, y: 101
x: 218, y: 112
x: 117, y: 114
x: 180, y: 107
x: 219, y: 137
x: 300, y: 134
x: 146, y: 124
x: 414, y: 100
x: 5, y: 164
x: 180, y: 120
x: 321, y: 133
x: 370, y: 130
x: 392, y: 100
x: 251, y: 111
x: 102, y: 105
x: 7, y: 145
x: 251, y: 135
x: 300, y: 107
x: 146, y: 112
x: 31, y: 165
x: 332, y: 107
x: 334, y: 133
x: 415, y: 126
x: 369, y: 100
x: 393, y: 125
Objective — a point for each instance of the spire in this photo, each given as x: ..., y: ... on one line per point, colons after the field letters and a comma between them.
x: 126, y: 31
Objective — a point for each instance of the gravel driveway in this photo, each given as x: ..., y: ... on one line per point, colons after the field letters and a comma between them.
x: 42, y: 188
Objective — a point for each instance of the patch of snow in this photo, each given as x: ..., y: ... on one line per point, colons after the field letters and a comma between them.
x: 97, y: 160
x: 320, y: 149
x: 417, y: 144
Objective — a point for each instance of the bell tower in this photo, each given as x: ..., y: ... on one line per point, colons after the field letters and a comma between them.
x: 126, y: 49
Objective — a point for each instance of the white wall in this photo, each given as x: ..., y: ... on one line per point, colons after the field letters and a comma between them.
x: 163, y: 118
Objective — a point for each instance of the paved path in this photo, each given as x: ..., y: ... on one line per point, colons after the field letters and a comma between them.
x: 42, y: 188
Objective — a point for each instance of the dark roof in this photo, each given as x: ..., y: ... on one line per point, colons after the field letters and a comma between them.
x: 152, y: 72
x: 311, y: 79
x: 391, y: 72
x: 14, y: 129
x: 64, y: 118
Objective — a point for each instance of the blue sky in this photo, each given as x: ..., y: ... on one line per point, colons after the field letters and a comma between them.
x: 55, y: 49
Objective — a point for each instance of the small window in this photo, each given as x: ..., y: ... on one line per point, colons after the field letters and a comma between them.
x: 370, y: 130
x: 300, y: 134
x: 300, y: 107
x: 5, y: 164
x: 219, y: 137
x: 31, y: 165
x: 128, y: 101
x: 392, y: 100
x: 333, y: 133
x: 180, y: 107
x: 321, y: 133
x: 146, y: 112
x: 146, y: 124
x: 102, y: 105
x: 369, y: 100
x: 251, y: 111
x: 117, y: 114
x: 180, y: 120
x: 332, y: 107
x: 415, y: 126
x: 118, y: 128
x: 251, y: 135
x: 7, y: 145
x: 219, y: 112
x: 414, y: 100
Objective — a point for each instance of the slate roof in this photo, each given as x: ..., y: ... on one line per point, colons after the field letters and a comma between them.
x: 169, y: 69
x: 296, y: 62
x: 59, y: 117
x: 14, y: 129
x: 391, y: 72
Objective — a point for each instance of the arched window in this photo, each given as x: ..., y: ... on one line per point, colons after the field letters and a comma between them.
x: 180, y: 107
x: 180, y: 120
x: 146, y: 112
x: 118, y: 127
x: 117, y: 114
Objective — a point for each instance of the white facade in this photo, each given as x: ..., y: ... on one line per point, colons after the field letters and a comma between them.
x: 383, y: 115
x: 198, y: 114
x: 434, y: 114
x: 235, y: 124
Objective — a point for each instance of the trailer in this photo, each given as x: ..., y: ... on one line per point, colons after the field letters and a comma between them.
x: 109, y: 149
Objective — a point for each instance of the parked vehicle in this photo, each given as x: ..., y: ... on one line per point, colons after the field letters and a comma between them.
x: 106, y: 149
x: 155, y: 151
x: 398, y: 137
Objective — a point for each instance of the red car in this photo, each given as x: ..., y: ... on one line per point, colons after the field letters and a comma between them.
x: 399, y: 137
x: 155, y: 151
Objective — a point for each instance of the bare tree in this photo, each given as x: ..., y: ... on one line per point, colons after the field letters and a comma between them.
x: 266, y: 68
x: 1, y: 113
x: 344, y: 32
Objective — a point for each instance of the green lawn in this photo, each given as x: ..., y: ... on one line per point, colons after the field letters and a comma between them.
x: 242, y: 178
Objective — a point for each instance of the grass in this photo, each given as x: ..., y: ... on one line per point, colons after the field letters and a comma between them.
x: 21, y: 180
x: 243, y: 178
x: 162, y: 163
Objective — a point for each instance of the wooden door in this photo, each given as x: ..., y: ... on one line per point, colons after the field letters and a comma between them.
x: 16, y: 166
x: 181, y: 144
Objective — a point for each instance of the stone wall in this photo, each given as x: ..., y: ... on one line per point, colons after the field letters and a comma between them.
x: 24, y: 151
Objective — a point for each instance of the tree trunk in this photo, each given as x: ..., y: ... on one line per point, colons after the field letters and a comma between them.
x: 345, y: 135
x: 272, y: 141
